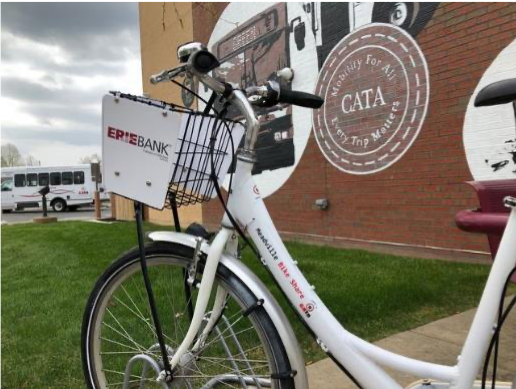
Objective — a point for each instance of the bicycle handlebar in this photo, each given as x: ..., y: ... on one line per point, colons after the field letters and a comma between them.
x: 273, y: 93
x: 301, y: 99
x: 199, y: 62
x: 167, y: 75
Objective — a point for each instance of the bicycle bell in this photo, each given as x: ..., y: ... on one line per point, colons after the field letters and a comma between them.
x: 184, y: 51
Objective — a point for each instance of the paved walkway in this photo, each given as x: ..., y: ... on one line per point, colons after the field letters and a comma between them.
x: 437, y: 342
x: 27, y: 215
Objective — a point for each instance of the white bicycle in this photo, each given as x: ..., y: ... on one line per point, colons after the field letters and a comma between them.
x: 202, y: 319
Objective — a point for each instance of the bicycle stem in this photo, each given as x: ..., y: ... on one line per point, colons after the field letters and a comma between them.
x: 247, y: 153
x: 239, y: 99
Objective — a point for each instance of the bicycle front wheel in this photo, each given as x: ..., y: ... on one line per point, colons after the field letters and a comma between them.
x: 242, y: 350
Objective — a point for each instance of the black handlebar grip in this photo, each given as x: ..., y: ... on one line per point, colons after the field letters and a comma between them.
x: 301, y: 99
x: 204, y: 61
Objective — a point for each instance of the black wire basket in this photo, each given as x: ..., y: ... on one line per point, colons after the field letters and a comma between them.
x: 205, y: 151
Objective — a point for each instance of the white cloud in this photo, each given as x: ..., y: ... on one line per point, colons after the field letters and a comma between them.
x: 30, y: 49
x: 53, y: 79
x: 58, y: 153
x: 14, y: 114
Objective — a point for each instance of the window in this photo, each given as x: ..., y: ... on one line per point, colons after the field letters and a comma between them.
x: 7, y: 185
x: 55, y: 178
x: 67, y: 178
x: 78, y: 178
x: 19, y: 180
x: 32, y: 179
x: 43, y: 179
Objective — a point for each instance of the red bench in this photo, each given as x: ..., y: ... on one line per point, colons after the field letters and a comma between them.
x: 492, y: 216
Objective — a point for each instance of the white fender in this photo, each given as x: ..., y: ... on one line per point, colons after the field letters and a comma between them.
x: 295, y: 355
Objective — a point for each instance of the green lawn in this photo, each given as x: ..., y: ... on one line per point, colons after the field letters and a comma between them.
x: 48, y: 272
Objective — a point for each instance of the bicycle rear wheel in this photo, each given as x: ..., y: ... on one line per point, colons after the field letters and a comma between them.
x: 242, y: 351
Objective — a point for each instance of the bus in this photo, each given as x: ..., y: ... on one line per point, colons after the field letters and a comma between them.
x: 70, y: 187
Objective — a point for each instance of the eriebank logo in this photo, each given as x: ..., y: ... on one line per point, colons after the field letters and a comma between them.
x: 376, y: 90
x: 148, y: 145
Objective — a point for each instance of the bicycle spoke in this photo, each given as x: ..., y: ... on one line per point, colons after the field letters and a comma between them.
x: 232, y: 355
x: 221, y: 333
x: 139, y: 347
x: 236, y: 359
x: 120, y: 344
x: 130, y: 298
x: 179, y: 325
x: 121, y: 373
x: 214, y: 376
x: 140, y: 315
x: 146, y: 321
x: 235, y: 370
x: 116, y: 352
x: 144, y: 299
x: 127, y: 336
x: 132, y: 381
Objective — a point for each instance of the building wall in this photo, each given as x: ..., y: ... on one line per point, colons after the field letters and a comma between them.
x: 163, y: 26
x: 124, y: 208
x: 407, y: 201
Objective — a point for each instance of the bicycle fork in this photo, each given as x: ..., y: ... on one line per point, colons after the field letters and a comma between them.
x: 206, y: 285
x: 210, y: 269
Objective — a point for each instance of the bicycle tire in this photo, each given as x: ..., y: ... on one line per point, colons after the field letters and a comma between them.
x: 105, y: 298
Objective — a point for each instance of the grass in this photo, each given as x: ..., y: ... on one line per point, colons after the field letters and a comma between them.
x: 48, y: 272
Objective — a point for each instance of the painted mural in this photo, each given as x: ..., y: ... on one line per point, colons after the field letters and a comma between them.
x: 490, y: 132
x: 261, y: 39
x: 255, y: 40
x: 253, y: 53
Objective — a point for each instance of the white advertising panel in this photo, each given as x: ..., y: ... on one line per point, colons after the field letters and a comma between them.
x: 143, y: 143
x: 138, y: 149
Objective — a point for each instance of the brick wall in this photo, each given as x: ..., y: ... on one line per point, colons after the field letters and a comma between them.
x: 413, y: 201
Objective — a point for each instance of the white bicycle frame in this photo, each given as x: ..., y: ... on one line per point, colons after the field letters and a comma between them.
x: 360, y: 358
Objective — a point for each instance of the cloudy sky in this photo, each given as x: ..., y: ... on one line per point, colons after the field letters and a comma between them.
x: 58, y: 60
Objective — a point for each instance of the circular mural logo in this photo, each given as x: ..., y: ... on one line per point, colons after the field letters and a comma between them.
x: 376, y: 90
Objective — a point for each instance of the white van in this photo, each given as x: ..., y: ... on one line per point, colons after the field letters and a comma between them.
x: 70, y: 187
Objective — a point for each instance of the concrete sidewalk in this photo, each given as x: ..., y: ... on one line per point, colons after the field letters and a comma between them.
x: 438, y: 342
